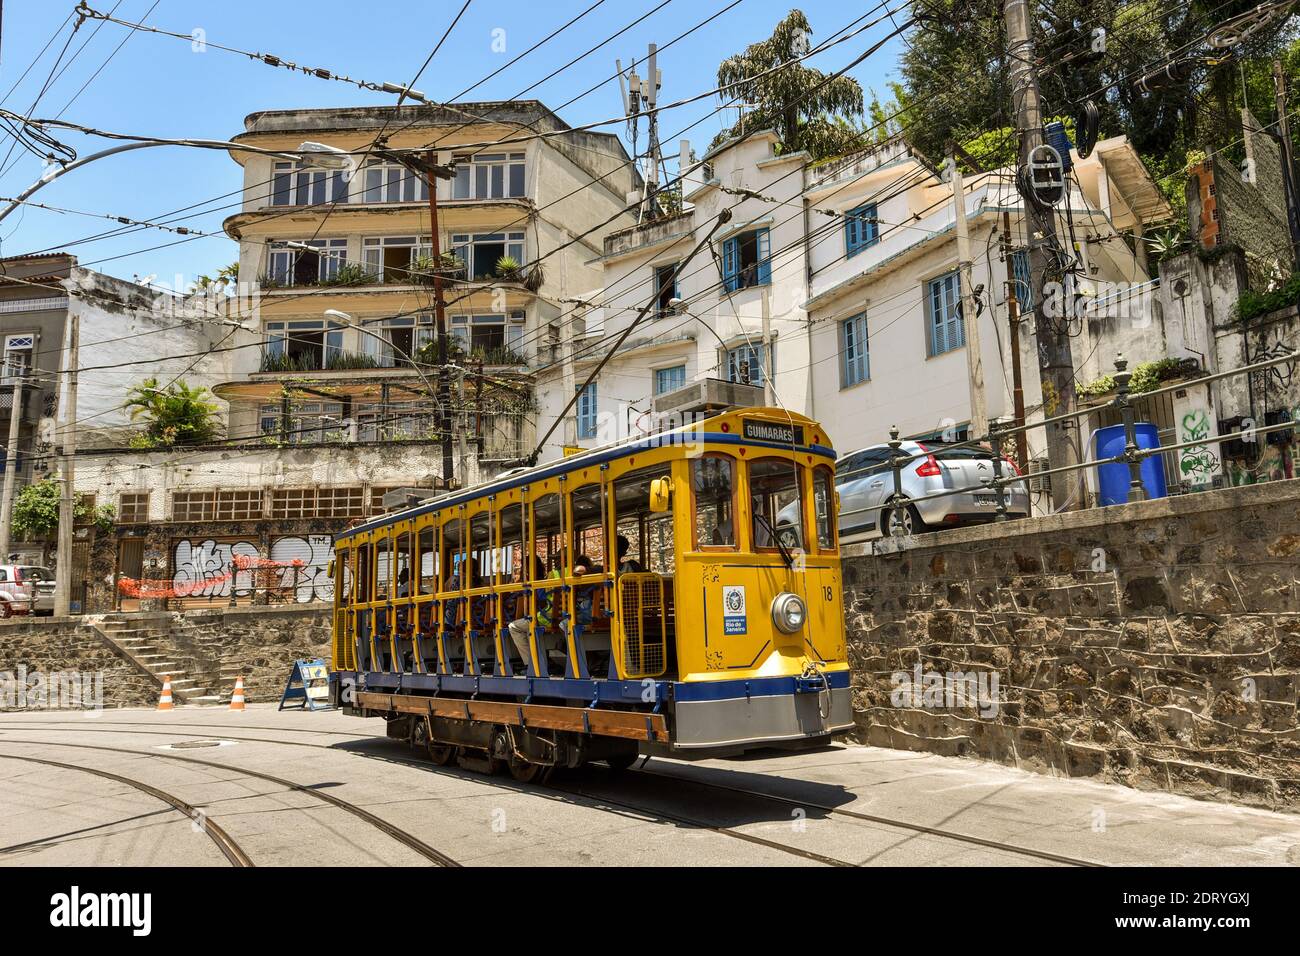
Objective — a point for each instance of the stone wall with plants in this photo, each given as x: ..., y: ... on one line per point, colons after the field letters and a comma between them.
x: 1155, y: 644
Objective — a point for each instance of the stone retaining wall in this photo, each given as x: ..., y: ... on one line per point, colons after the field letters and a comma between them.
x: 1155, y: 644
x: 257, y: 643
x: 48, y: 645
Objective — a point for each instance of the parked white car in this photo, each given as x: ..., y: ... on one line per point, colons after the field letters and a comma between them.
x: 865, y: 482
x: 26, y: 589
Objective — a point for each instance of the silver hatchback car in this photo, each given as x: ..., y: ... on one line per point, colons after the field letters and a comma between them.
x: 865, y: 483
x: 26, y: 589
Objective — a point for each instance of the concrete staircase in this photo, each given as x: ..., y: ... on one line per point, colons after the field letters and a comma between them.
x: 148, y: 640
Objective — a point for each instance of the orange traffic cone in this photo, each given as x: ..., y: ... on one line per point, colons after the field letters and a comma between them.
x: 237, y: 697
x: 165, y: 698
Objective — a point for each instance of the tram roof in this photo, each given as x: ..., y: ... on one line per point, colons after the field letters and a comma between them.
x: 613, y: 451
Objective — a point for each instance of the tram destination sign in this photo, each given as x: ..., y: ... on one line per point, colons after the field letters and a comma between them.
x: 782, y: 433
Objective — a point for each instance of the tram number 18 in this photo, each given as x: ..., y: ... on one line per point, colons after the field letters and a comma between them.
x: 828, y: 593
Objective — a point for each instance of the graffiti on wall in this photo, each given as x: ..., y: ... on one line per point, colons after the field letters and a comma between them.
x: 202, y: 568
x: 312, y: 582
x: 1197, y: 464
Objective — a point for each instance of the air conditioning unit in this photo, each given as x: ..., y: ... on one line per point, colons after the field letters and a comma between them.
x: 1037, y: 481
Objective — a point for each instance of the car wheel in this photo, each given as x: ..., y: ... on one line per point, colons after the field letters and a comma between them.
x: 5, y: 609
x: 900, y: 522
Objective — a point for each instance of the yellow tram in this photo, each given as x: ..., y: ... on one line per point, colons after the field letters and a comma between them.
x: 678, y: 594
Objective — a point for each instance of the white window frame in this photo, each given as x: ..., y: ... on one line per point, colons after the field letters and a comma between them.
x: 464, y: 245
x: 490, y: 176
x: 282, y: 259
x: 379, y: 183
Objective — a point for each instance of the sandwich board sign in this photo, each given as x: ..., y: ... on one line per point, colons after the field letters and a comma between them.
x: 308, y: 687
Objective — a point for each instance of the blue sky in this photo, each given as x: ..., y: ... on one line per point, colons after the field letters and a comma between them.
x: 159, y: 86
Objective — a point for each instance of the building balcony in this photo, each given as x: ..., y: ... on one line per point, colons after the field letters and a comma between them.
x: 31, y: 405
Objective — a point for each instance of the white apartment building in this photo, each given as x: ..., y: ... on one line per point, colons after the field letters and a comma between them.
x: 853, y: 263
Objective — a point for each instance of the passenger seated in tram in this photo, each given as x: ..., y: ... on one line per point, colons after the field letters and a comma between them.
x: 624, y: 564
x: 519, y: 626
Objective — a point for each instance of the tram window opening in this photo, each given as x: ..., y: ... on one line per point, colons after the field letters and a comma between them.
x: 775, y: 504
x: 402, y: 562
x: 428, y: 553
x: 514, y: 542
x: 649, y: 534
x: 480, y: 536
x: 343, y: 576
x: 824, y: 507
x: 363, y: 574
x: 452, y: 554
x: 588, y: 535
x: 547, y: 522
x: 713, y: 483
x: 383, y: 568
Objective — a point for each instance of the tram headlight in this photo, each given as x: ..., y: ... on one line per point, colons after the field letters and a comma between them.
x: 789, y: 612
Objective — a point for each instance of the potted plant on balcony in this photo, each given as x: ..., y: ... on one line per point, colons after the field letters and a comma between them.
x: 509, y: 269
x: 350, y: 273
x: 424, y: 268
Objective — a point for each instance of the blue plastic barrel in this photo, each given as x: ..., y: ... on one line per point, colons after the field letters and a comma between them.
x: 1113, y: 478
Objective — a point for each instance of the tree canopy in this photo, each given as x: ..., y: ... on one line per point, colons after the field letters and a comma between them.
x: 808, y: 109
x: 175, y: 415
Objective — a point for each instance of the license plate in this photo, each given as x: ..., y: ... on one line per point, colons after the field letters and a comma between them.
x: 990, y: 500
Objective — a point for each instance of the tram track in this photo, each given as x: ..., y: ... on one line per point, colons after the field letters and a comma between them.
x: 225, y: 843
x: 409, y: 840
x: 669, y: 816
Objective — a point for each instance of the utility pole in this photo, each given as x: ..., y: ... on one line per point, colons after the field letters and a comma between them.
x: 979, y: 415
x: 1288, y: 161
x: 1055, y: 362
x: 1013, y: 319
x: 432, y: 174
x: 11, y: 463
x: 67, y: 503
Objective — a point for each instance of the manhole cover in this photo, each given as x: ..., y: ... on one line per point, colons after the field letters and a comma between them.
x: 195, y: 744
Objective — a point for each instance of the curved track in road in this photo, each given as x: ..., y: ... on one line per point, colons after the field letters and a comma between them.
x: 660, y: 813
x: 401, y: 836
x: 229, y: 848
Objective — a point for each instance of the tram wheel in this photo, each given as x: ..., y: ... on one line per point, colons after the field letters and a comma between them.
x: 441, y: 754
x: 526, y: 772
x: 620, y: 762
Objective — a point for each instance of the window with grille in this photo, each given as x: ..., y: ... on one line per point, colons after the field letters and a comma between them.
x: 293, y: 503
x: 377, y: 497
x: 339, y: 502
x: 746, y: 363
x: 240, y: 505
x: 194, y: 505
x: 133, y: 507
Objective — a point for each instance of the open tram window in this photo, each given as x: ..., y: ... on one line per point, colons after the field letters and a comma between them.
x: 428, y: 558
x: 713, y: 486
x: 824, y: 507
x: 363, y: 574
x: 383, y: 568
x: 402, y: 565
x: 549, y: 532
x: 480, y: 550
x: 588, y: 533
x: 343, y: 576
x: 514, y: 544
x: 649, y: 535
x: 774, y: 501
x: 453, y: 554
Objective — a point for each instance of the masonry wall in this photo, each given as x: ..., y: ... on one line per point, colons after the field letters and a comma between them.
x: 1155, y: 644
x: 58, y: 645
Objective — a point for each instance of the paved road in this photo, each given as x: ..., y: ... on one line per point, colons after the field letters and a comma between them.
x: 139, y: 787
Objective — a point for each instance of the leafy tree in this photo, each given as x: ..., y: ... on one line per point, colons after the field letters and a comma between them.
x: 175, y: 415
x: 806, y: 108
x: 36, y: 510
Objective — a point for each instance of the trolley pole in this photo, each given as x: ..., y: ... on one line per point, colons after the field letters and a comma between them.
x: 1055, y: 361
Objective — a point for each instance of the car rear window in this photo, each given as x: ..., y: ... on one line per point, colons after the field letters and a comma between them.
x: 979, y: 454
x: 35, y: 574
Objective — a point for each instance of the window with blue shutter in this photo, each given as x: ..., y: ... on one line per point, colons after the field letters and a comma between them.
x: 855, y: 362
x: 587, y: 412
x: 746, y: 260
x: 861, y: 230
x: 746, y: 363
x: 947, y: 331
x: 669, y: 379
x: 1023, y: 280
